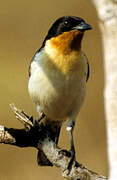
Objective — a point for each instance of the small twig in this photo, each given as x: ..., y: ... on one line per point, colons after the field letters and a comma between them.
x: 22, y: 117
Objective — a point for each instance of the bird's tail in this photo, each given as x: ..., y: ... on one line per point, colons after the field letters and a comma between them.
x: 54, y: 127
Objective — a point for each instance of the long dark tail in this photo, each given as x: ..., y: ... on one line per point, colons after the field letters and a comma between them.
x: 54, y: 127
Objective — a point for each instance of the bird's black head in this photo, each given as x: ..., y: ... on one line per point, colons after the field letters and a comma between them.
x: 67, y: 23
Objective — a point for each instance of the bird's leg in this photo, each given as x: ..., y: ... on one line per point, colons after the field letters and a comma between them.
x: 70, y: 128
x: 41, y: 117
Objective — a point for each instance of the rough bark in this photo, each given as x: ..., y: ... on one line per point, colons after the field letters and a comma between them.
x: 37, y: 135
x: 107, y: 13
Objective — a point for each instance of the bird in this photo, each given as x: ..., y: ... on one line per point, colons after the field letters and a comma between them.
x: 58, y: 74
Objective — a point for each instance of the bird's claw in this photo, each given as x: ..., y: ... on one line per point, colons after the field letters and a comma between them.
x: 65, y: 153
x: 71, y: 155
x: 72, y: 158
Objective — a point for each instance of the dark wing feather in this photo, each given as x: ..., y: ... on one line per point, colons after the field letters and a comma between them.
x: 88, y: 71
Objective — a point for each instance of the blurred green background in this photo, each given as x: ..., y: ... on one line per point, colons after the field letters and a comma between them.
x: 23, y: 26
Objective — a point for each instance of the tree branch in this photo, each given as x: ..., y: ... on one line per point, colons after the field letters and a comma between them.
x: 41, y: 137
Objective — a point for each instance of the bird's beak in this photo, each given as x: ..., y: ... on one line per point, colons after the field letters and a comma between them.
x: 83, y: 26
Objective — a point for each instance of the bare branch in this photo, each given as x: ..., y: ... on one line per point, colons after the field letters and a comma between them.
x: 78, y: 171
x: 40, y: 137
x: 6, y: 137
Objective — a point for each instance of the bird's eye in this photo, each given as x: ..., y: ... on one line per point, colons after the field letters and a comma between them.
x: 66, y: 22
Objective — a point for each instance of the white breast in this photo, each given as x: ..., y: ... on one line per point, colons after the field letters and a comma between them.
x: 57, y: 94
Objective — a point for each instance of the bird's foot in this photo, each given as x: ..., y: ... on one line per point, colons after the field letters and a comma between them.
x: 71, y: 155
x: 72, y: 158
x: 65, y: 153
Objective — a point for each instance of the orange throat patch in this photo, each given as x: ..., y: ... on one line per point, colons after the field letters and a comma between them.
x: 68, y: 41
x: 63, y: 52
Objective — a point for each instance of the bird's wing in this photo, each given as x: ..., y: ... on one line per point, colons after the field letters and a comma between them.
x: 88, y: 71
